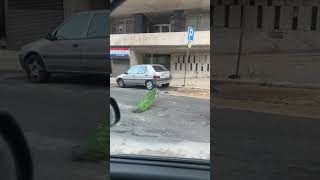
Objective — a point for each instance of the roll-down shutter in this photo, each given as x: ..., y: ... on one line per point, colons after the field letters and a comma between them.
x: 29, y: 20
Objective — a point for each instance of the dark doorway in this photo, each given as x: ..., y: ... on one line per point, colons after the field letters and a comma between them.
x: 163, y: 59
x: 2, y: 21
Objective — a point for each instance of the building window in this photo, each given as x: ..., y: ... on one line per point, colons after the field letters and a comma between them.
x: 176, y: 66
x: 191, y: 67
x: 194, y: 59
x: 314, y: 18
x: 196, y: 66
x: 260, y: 17
x: 161, y: 28
x: 277, y: 17
x: 208, y: 67
x: 226, y: 16
x: 123, y: 26
x: 295, y: 15
x: 201, y: 22
x: 252, y: 2
x: 201, y: 67
x: 269, y: 2
x: 182, y: 59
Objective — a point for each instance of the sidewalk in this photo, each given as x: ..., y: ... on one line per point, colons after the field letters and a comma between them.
x: 200, y: 83
x: 197, y: 83
x: 196, y: 88
x: 9, y: 61
x: 271, y: 99
x: 265, y: 83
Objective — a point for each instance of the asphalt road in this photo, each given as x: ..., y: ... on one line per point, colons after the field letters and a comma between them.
x: 251, y: 145
x: 56, y: 117
x: 248, y: 145
x: 174, y: 126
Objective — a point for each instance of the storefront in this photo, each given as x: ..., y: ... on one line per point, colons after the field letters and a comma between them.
x: 120, y: 60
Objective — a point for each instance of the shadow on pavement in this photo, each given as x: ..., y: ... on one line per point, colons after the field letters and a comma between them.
x: 86, y: 80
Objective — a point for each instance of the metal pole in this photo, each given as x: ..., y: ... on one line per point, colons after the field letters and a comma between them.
x: 185, y: 67
x: 242, y: 24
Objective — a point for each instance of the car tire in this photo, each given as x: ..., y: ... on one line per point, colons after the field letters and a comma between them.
x: 121, y: 83
x: 36, y: 71
x: 166, y: 85
x: 149, y: 85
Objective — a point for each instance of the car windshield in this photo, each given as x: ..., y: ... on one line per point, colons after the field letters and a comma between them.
x: 168, y: 115
x: 158, y: 68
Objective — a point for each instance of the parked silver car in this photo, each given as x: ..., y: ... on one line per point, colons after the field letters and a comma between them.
x: 145, y: 74
x: 79, y: 45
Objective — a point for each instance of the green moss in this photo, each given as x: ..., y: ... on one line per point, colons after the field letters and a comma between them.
x: 147, y: 101
x: 96, y: 147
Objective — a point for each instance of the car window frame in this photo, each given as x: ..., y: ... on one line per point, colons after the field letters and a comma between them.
x: 94, y: 14
x: 164, y: 68
x: 145, y: 69
x: 66, y: 21
x: 132, y: 67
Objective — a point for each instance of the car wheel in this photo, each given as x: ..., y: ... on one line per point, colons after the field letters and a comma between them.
x: 166, y: 85
x: 121, y: 83
x: 149, y: 85
x: 36, y: 70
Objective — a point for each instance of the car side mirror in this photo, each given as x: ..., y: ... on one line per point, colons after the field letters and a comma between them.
x: 126, y: 72
x: 50, y: 37
x: 58, y: 38
x: 114, y: 112
x: 15, y: 156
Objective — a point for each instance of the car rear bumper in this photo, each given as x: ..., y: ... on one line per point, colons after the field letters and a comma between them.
x: 163, y: 81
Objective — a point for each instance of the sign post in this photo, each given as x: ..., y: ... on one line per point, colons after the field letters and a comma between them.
x: 191, y: 32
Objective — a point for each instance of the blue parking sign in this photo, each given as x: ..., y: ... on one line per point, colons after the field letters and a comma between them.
x: 190, y: 33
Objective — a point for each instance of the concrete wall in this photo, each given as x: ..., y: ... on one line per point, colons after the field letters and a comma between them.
x: 135, y: 57
x: 202, y: 38
x: 293, y: 68
x: 268, y: 39
x: 145, y: 6
x: 279, y: 55
x: 200, y: 63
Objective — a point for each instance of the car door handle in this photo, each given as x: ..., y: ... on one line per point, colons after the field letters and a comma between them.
x: 75, y: 45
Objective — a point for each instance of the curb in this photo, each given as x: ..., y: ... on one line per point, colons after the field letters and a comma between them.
x: 189, y: 87
x: 178, y: 87
x: 261, y: 83
x: 114, y: 84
